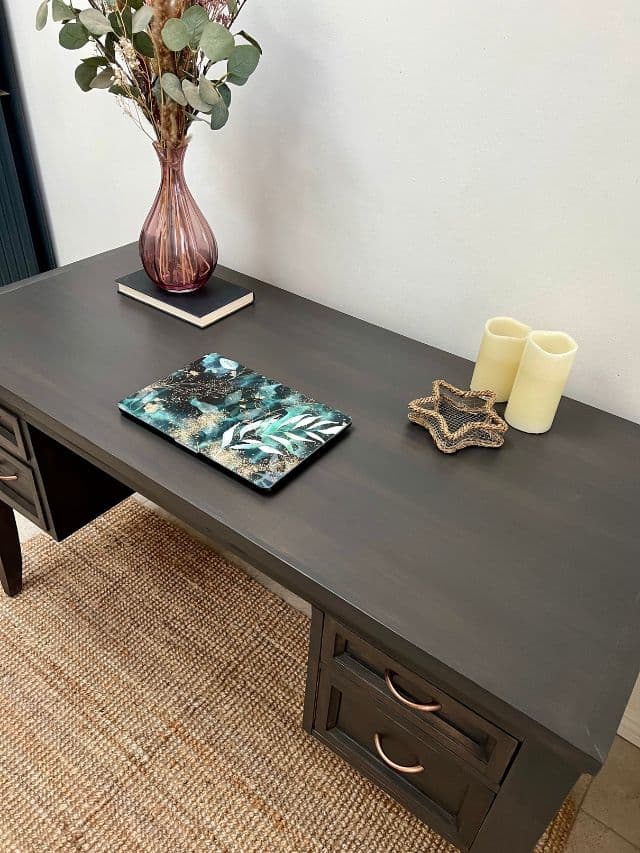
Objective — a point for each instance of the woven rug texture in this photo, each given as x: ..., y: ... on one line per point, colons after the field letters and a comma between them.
x: 151, y: 700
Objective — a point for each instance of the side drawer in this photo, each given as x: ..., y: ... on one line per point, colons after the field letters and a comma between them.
x: 429, y: 780
x: 483, y: 745
x: 11, y: 435
x: 18, y: 488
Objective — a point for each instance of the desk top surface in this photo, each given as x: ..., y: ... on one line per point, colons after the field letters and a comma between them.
x: 517, y: 569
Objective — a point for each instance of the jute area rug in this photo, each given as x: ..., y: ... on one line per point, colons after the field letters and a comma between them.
x: 151, y: 700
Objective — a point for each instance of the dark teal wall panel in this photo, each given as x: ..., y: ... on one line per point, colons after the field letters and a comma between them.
x: 17, y: 252
x: 26, y: 246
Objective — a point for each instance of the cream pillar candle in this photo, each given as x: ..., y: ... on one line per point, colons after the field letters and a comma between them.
x: 544, y: 369
x: 499, y: 356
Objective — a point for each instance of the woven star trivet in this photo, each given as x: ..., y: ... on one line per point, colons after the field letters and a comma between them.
x: 457, y: 419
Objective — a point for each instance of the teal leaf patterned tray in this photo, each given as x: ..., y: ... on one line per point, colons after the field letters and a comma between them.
x: 249, y: 424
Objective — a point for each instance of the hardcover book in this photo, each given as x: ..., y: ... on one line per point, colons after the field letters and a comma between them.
x: 249, y: 424
x: 216, y: 300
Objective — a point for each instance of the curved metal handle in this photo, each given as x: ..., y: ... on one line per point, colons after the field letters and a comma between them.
x: 429, y: 707
x: 400, y: 768
x: 8, y: 478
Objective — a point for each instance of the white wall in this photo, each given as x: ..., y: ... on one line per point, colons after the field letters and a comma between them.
x: 420, y: 165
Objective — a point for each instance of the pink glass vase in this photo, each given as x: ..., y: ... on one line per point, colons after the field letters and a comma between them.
x: 177, y: 246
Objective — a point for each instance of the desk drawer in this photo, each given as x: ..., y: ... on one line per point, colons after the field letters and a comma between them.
x: 429, y: 780
x: 18, y: 488
x: 11, y: 436
x: 484, y: 746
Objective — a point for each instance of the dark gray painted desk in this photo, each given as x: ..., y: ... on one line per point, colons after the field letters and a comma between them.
x: 509, y: 579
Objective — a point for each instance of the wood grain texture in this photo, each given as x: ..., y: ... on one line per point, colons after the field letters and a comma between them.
x: 509, y: 576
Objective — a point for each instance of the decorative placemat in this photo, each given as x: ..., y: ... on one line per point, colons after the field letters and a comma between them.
x: 151, y: 700
x: 254, y: 427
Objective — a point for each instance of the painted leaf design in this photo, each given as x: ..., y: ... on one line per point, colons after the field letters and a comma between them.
x: 299, y: 438
x: 283, y: 441
x: 307, y: 421
x: 227, y: 436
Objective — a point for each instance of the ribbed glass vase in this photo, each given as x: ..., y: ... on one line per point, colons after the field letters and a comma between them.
x: 177, y: 247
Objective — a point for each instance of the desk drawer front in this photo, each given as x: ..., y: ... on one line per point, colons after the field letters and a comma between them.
x: 11, y: 437
x: 18, y: 488
x: 480, y: 743
x: 444, y: 793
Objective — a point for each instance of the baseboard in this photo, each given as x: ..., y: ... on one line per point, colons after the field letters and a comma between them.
x: 630, y: 725
x: 630, y: 729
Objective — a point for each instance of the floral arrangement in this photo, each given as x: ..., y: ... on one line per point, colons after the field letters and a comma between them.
x: 170, y: 61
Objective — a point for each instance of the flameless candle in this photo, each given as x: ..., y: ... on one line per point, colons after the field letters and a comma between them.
x: 544, y: 369
x: 499, y: 356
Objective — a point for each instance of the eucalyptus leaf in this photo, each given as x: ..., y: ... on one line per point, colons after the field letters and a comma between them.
x: 103, y: 80
x: 143, y: 43
x: 208, y: 91
x: 245, y: 35
x: 122, y: 22
x: 95, y: 61
x: 191, y: 94
x: 195, y: 20
x: 136, y: 4
x: 73, y: 36
x: 217, y: 42
x: 243, y: 61
x: 42, y: 15
x: 171, y: 85
x: 95, y: 22
x: 85, y: 74
x: 219, y: 115
x: 155, y: 89
x: 175, y: 34
x: 61, y: 11
x: 142, y: 19
x: 225, y: 93
x: 236, y: 79
x: 232, y: 6
x: 110, y: 46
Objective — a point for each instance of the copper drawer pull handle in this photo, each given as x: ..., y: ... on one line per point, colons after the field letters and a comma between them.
x: 8, y: 478
x: 430, y: 707
x: 400, y: 768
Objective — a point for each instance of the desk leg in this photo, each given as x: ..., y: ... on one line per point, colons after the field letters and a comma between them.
x: 10, y: 553
x: 533, y: 792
